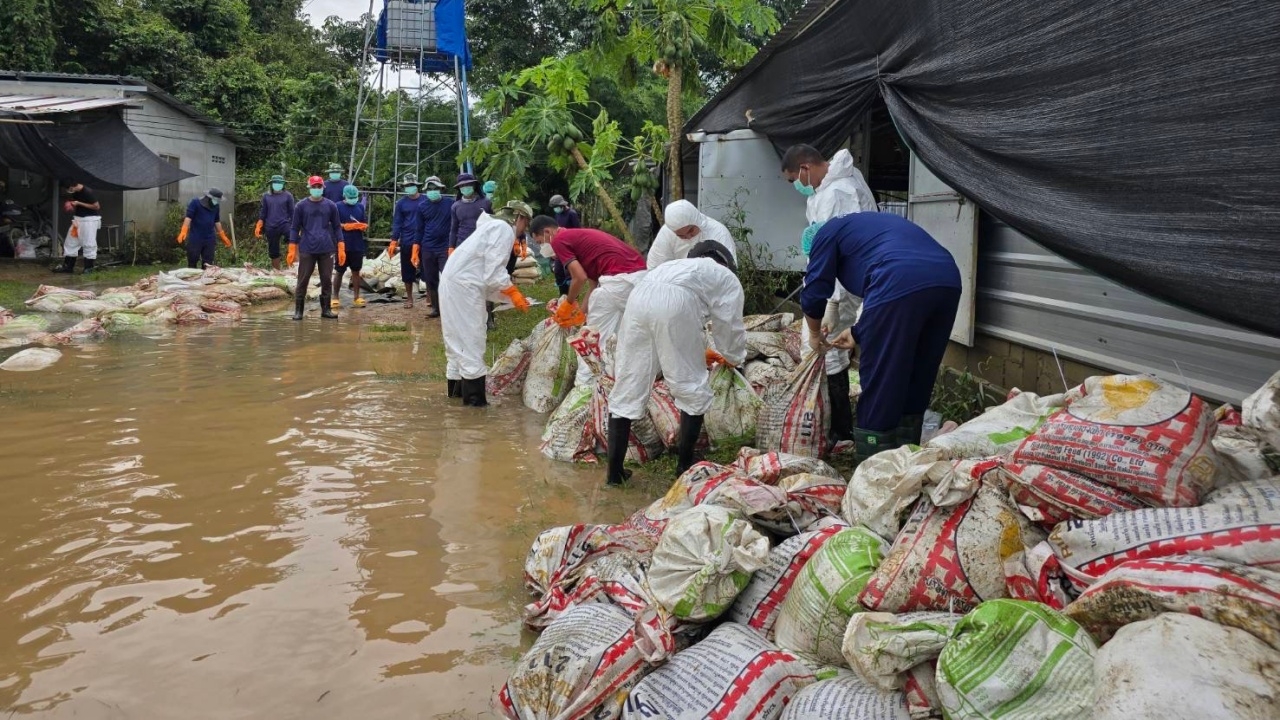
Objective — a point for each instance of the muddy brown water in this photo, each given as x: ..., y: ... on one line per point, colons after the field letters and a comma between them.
x: 262, y: 521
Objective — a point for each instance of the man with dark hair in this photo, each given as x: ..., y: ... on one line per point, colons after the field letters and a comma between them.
x: 662, y: 330
x: 597, y: 263
x: 832, y: 189
x: 315, y: 237
x: 203, y: 220
x: 86, y: 219
x: 910, y: 289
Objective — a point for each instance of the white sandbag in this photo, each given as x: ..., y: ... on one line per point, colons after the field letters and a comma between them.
x: 1000, y: 429
x: 1239, y: 523
x: 620, y: 578
x: 559, y: 556
x: 769, y: 345
x: 662, y: 411
x: 24, y: 325
x: 568, y: 436
x: 1180, y: 667
x: 709, y: 484
x: 1136, y: 433
x: 765, y: 376
x: 644, y: 443
x: 1049, y: 495
x: 733, y: 674
x: 1261, y: 411
x: 31, y: 359
x: 809, y: 499
x: 951, y: 558
x: 882, y: 648
x: 54, y: 302
x: 552, y: 367
x: 734, y: 406
x: 885, y: 486
x: 508, y: 373
x: 825, y: 595
x: 767, y: 323
x: 581, y: 666
x: 1016, y: 659
x: 846, y: 697
x: 1226, y: 593
x: 1243, y: 451
x: 770, y: 467
x: 759, y: 603
x: 527, y: 273
x: 704, y: 559
x: 794, y: 418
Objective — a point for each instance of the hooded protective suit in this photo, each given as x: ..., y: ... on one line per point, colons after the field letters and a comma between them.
x: 842, y: 192
x: 662, y: 330
x: 682, y: 213
x: 475, y: 271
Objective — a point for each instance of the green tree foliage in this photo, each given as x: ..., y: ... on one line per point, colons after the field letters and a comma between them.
x: 27, y: 39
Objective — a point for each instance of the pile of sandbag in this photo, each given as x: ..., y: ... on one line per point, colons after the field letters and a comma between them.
x: 526, y: 272
x: 1088, y: 555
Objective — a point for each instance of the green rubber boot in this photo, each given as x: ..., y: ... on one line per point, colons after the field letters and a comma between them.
x: 910, y: 428
x: 869, y: 442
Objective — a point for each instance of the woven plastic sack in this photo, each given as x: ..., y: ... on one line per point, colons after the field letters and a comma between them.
x: 1180, y: 667
x: 1226, y: 593
x: 664, y: 414
x: 1136, y: 433
x: 1261, y: 411
x: 825, y: 595
x: 31, y: 360
x: 568, y: 436
x: 770, y: 467
x: 24, y: 325
x: 1049, y: 495
x: 765, y: 376
x: 809, y: 499
x: 770, y: 345
x: 644, y: 443
x: 1244, y: 453
x: 885, y: 486
x: 734, y: 406
x: 767, y: 323
x: 733, y: 674
x: 507, y: 375
x: 558, y: 557
x: 705, y: 558
x: 708, y: 483
x: 552, y: 367
x: 952, y: 558
x: 794, y: 419
x: 759, y: 603
x: 620, y: 579
x: 847, y: 696
x: 1000, y: 429
x: 1016, y: 659
x: 1240, y: 524
x: 882, y: 648
x: 581, y: 666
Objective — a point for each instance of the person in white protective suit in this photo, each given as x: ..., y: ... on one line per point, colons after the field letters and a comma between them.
x: 476, y: 270
x: 684, y: 226
x: 663, y: 331
x: 833, y: 189
x: 590, y: 257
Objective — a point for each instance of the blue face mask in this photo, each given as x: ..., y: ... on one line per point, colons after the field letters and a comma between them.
x: 806, y: 237
x: 490, y: 187
x: 411, y: 190
x: 803, y: 189
x: 277, y: 186
x: 351, y: 201
x: 559, y: 209
x: 468, y: 191
x: 335, y: 176
x: 433, y: 195
x: 317, y: 192
x: 213, y: 201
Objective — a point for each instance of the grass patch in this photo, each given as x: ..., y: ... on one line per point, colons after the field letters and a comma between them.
x: 394, y: 337
x: 514, y: 324
x: 389, y: 328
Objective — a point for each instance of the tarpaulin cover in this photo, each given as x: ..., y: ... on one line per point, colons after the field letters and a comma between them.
x: 451, y: 37
x: 1140, y: 139
x: 101, y: 153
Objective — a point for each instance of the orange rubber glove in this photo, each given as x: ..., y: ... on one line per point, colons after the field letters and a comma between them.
x: 342, y: 253
x: 569, y: 315
x: 354, y: 226
x: 257, y: 229
x: 449, y: 252
x: 393, y: 248
x: 522, y: 250
x: 182, y: 234
x: 517, y: 298
x: 292, y: 256
x: 75, y: 230
x: 225, y: 239
x: 714, y: 358
x: 415, y: 256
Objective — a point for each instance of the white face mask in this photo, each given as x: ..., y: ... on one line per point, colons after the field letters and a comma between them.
x: 546, y: 251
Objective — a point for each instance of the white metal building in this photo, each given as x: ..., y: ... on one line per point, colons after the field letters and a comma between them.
x: 174, y: 131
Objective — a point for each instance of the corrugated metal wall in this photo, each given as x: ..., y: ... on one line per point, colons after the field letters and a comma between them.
x: 1030, y: 296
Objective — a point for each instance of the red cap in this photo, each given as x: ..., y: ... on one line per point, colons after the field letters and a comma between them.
x: 314, y: 181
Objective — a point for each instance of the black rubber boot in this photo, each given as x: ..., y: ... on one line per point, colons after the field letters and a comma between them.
x: 473, y: 393
x: 910, y: 427
x: 435, y: 303
x: 841, y: 408
x: 299, y: 304
x: 325, y: 310
x: 619, y: 437
x: 455, y: 388
x: 88, y: 267
x: 690, y: 429
x: 869, y: 442
x: 493, y: 321
x: 68, y: 265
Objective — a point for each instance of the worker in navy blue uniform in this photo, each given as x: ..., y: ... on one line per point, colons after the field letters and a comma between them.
x: 352, y: 248
x: 404, y: 236
x: 274, y: 217
x: 334, y: 185
x: 435, y: 215
x: 910, y: 289
x: 568, y: 219
x: 201, y: 225
x: 316, y: 236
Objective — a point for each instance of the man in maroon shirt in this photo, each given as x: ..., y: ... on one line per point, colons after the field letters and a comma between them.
x: 591, y: 258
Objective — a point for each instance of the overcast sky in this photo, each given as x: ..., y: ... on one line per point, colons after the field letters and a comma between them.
x: 345, y: 9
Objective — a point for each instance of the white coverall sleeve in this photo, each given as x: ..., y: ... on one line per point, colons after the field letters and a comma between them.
x: 498, y: 242
x: 663, y: 248
x: 727, y: 329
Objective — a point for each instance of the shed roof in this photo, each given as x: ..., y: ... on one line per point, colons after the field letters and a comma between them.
x: 45, y: 104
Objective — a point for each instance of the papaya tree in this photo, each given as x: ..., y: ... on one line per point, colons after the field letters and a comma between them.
x: 666, y: 34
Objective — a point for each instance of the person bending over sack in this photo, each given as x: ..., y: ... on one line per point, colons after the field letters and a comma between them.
x: 662, y: 331
x: 910, y: 289
x: 476, y: 270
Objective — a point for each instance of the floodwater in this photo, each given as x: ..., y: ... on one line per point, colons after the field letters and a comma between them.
x: 263, y: 520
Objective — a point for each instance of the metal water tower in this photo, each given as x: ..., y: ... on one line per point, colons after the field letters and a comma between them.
x: 416, y: 52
